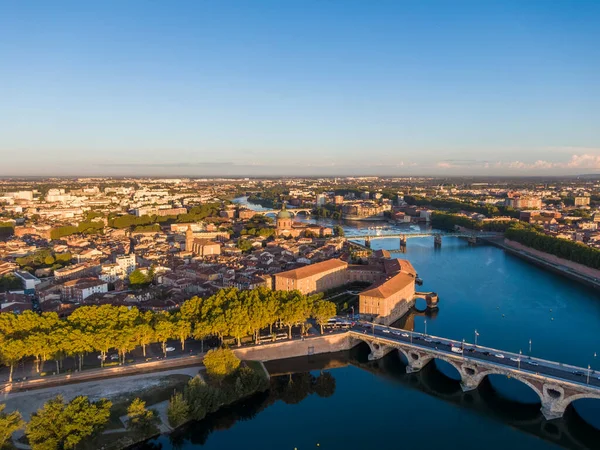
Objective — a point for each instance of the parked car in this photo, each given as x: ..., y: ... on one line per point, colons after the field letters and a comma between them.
x: 170, y: 349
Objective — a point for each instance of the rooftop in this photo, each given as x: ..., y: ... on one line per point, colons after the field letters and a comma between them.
x: 313, y: 269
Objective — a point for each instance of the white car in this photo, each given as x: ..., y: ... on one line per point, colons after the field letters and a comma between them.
x: 385, y: 330
x: 396, y: 333
x: 499, y: 355
x: 114, y: 357
x: 515, y: 359
x: 405, y: 335
x: 428, y: 340
x: 101, y: 357
x: 170, y: 349
x: 457, y: 350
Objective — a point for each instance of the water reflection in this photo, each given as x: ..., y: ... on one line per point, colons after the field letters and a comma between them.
x: 291, y: 385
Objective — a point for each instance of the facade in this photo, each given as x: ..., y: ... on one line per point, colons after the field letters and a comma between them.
x: 127, y: 263
x: 582, y: 201
x: 313, y: 278
x: 79, y: 290
x: 389, y: 299
x: 28, y: 280
x: 201, y: 247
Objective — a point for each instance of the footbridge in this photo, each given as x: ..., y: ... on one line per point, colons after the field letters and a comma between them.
x: 556, y: 384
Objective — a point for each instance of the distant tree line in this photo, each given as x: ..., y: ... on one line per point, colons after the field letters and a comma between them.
x: 563, y: 248
x: 448, y: 222
x: 457, y: 206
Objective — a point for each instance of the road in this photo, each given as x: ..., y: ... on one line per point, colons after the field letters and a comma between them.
x: 475, y: 353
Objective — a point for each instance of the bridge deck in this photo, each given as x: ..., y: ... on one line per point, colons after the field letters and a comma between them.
x: 513, y: 362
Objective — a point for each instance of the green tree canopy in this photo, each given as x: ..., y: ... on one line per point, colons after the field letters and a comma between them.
x: 9, y: 423
x: 59, y: 425
x: 220, y: 363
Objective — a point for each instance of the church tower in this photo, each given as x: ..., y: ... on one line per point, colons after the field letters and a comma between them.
x: 189, y: 239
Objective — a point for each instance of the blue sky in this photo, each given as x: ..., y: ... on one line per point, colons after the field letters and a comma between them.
x: 294, y: 87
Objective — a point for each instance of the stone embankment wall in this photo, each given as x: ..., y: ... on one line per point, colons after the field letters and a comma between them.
x: 579, y: 268
x: 329, y: 343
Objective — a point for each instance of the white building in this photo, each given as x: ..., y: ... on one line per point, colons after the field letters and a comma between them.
x: 127, y: 263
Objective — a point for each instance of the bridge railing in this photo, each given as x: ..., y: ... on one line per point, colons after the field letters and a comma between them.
x: 456, y: 343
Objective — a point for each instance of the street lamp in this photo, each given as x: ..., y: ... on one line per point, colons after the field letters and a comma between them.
x: 520, y: 353
x: 352, y: 311
x: 425, y: 327
x: 530, y: 348
x: 588, y: 377
x: 463, y: 347
x: 476, y: 334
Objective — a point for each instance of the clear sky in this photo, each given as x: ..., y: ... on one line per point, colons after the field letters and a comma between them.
x: 299, y: 87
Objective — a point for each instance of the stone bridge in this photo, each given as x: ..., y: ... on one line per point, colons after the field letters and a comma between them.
x: 555, y: 392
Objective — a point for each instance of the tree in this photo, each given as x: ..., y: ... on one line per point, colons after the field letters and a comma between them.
x: 322, y: 311
x: 137, y: 279
x: 163, y: 331
x: 178, y: 411
x: 338, y: 231
x: 9, y: 423
x: 58, y: 426
x: 141, y: 420
x: 11, y: 351
x: 220, y: 363
x: 182, y: 328
x: 295, y: 309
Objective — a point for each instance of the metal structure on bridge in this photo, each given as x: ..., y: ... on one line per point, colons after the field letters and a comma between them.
x: 557, y: 385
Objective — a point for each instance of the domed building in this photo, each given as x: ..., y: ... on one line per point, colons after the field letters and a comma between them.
x: 284, y: 224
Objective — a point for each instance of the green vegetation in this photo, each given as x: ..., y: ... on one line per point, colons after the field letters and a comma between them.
x: 244, y: 245
x: 92, y: 227
x: 59, y: 425
x: 43, y: 259
x: 154, y: 228
x: 6, y: 229
x: 9, y: 282
x: 448, y: 221
x: 138, y: 279
x: 328, y: 212
x: 338, y: 231
x: 9, y: 423
x: 230, y: 312
x: 573, y: 251
x: 456, y: 206
x: 220, y: 363
x: 229, y: 380
x: 142, y: 421
x: 259, y: 225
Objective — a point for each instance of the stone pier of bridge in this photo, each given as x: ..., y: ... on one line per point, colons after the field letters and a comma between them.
x: 555, y: 394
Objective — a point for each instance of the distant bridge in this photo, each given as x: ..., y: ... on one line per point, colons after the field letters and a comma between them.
x: 292, y: 211
x: 556, y: 384
x: 472, y: 236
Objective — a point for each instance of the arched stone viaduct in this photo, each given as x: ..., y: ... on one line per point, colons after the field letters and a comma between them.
x: 555, y: 394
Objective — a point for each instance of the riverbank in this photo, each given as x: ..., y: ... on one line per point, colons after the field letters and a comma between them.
x: 569, y: 269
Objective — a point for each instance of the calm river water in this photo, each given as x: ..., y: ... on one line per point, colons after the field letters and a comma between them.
x: 377, y: 405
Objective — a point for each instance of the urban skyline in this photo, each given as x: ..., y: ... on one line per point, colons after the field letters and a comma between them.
x: 347, y: 88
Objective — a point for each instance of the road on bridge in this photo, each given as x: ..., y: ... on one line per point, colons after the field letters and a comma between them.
x: 473, y: 353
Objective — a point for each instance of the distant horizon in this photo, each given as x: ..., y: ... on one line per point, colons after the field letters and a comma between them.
x: 271, y: 88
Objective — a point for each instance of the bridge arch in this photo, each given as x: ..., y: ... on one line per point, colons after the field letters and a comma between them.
x: 550, y: 390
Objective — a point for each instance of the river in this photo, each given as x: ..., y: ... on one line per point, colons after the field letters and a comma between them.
x: 508, y: 301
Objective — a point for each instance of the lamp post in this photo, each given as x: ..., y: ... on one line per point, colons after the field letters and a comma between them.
x: 476, y: 334
x: 520, y: 353
x: 588, y: 376
x: 463, y: 346
x: 530, y: 348
x: 425, y: 327
x: 352, y: 312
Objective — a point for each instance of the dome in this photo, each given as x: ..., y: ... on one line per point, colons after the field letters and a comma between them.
x: 284, y: 214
